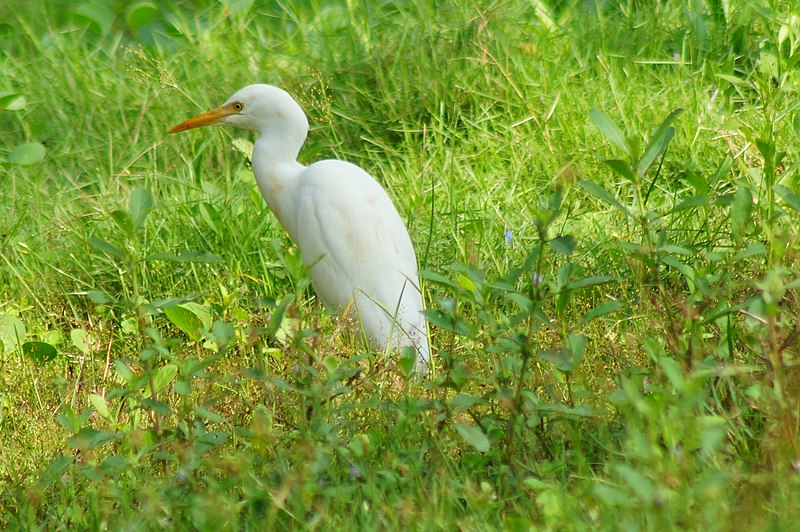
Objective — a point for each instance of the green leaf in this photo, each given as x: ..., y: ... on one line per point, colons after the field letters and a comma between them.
x: 611, y: 496
x: 182, y: 388
x: 105, y: 247
x: 641, y: 485
x: 12, y: 333
x: 564, y: 245
x: 141, y: 203
x: 101, y: 407
x: 753, y: 249
x: 673, y: 249
x: 592, y: 281
x: 222, y: 333
x: 190, y: 318
x: 467, y: 284
x: 447, y: 322
x: 653, y: 151
x: 140, y: 14
x: 577, y: 347
x: 658, y: 142
x: 113, y: 465
x: 407, y: 360
x: 474, y: 436
x: 713, y: 431
x: 71, y: 421
x: 98, y: 298
x: 606, y: 307
x: 83, y: 340
x: 621, y: 167
x: 738, y: 82
x: 27, y: 154
x: 685, y: 269
x: 692, y: 203
x: 602, y: 194
x: 212, y: 439
x: 164, y: 376
x: 211, y: 217
x: 124, y: 371
x: 89, y: 438
x: 522, y: 301
x: 200, y: 256
x: 436, y: 278
x: 123, y: 221
x: 673, y: 371
x: 741, y: 210
x: 464, y: 402
x: 12, y: 101
x: 723, y: 169
x: 288, y: 330
x: 208, y: 415
x: 608, y: 128
x: 791, y: 198
x: 277, y: 315
x: 560, y: 357
x: 94, y: 15
x: 40, y: 352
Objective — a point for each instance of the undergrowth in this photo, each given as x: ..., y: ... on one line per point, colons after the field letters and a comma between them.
x: 603, y: 198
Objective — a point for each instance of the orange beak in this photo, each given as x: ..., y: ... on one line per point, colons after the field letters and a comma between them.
x: 215, y: 116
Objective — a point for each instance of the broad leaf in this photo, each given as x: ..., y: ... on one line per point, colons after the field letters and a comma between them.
x: 190, y: 318
x: 276, y: 319
x: 101, y: 406
x: 658, y: 142
x: 602, y: 194
x: 564, y: 245
x: 741, y: 209
x: 105, y: 247
x: 95, y: 15
x: 621, y: 167
x: 27, y: 154
x: 606, y: 307
x: 141, y: 204
x: 790, y: 198
x: 474, y: 436
x: 12, y: 333
x: 164, y: 376
x: 608, y: 128
x: 692, y: 203
x: 140, y: 14
x: 40, y: 352
x: 83, y: 340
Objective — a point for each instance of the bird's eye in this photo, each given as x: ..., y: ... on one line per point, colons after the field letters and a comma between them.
x: 238, y: 106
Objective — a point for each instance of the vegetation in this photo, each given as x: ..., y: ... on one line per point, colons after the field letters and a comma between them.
x: 604, y: 199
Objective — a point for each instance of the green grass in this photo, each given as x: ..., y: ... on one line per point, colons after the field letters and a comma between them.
x: 628, y: 360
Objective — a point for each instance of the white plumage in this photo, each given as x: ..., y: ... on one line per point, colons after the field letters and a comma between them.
x: 342, y: 220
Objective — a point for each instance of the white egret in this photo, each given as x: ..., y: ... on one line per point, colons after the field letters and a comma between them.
x: 344, y: 223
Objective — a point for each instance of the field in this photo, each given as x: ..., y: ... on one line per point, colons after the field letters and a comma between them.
x: 604, y: 198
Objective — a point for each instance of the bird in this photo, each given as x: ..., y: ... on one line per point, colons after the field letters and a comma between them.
x: 350, y: 235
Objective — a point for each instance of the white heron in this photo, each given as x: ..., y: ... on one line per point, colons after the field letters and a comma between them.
x: 347, y: 228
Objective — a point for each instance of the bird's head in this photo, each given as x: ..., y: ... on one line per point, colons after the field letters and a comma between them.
x: 262, y: 108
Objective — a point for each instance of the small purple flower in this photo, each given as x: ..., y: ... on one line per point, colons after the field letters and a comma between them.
x: 537, y: 279
x: 355, y: 472
x: 508, y: 236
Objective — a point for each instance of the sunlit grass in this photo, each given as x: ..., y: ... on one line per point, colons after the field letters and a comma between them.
x: 675, y: 407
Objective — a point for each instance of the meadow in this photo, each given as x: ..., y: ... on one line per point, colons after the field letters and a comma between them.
x: 603, y: 196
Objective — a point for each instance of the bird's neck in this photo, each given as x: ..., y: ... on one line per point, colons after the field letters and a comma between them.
x: 277, y: 173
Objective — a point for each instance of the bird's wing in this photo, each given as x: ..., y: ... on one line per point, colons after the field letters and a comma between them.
x: 348, y: 228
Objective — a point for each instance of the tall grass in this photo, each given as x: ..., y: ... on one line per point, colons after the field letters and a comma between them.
x: 610, y: 282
